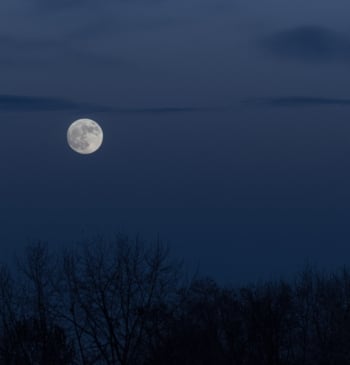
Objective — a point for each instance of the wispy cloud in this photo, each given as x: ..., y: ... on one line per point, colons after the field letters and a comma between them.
x: 31, y: 51
x: 24, y: 51
x: 298, y: 101
x: 29, y: 104
x: 166, y: 110
x: 309, y: 43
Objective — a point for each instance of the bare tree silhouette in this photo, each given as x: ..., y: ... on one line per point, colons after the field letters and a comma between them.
x: 124, y: 302
x: 112, y: 290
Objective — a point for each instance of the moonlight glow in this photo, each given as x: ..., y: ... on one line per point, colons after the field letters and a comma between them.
x: 84, y: 136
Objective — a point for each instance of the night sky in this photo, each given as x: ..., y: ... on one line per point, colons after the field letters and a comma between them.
x: 226, y: 129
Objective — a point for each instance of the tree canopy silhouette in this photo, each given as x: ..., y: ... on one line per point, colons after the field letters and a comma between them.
x: 125, y: 302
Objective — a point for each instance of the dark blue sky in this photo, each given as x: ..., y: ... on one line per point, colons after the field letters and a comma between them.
x: 226, y: 128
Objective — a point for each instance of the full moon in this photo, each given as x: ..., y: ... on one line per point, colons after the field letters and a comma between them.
x: 84, y: 136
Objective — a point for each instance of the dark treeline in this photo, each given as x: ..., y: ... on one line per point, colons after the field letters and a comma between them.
x: 126, y: 303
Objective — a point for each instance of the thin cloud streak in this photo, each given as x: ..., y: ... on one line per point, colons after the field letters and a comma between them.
x: 34, y: 104
x: 298, y: 101
x: 29, y: 103
x: 167, y: 110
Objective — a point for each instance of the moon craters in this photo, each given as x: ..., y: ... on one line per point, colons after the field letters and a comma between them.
x: 84, y: 136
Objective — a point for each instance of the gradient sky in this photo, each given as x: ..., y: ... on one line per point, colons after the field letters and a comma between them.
x: 226, y: 123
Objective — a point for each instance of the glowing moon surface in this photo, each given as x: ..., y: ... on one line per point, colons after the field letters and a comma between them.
x: 84, y: 136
